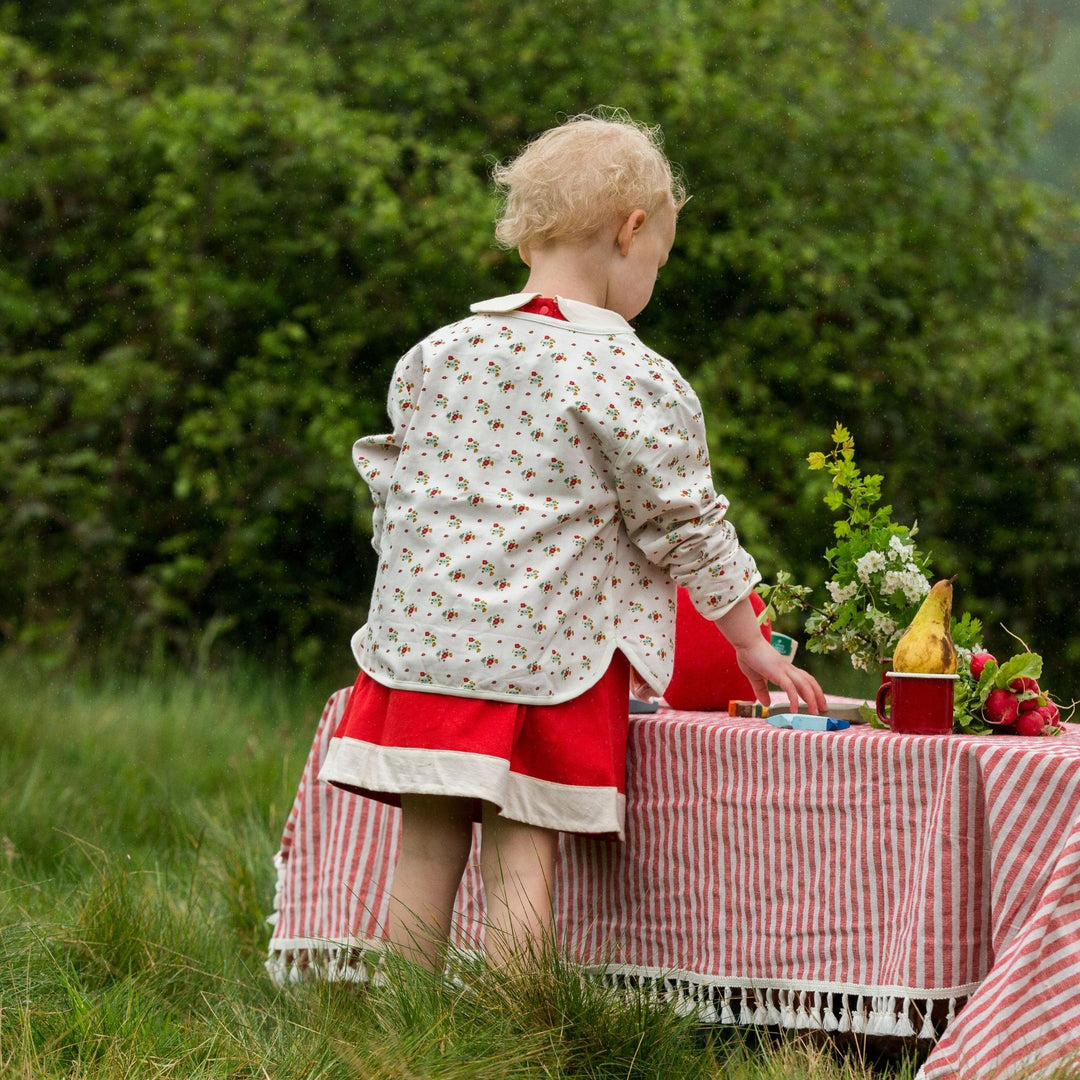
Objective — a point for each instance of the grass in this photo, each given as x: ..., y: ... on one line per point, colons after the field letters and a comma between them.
x: 138, y: 818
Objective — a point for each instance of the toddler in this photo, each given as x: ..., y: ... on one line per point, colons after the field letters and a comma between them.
x: 544, y: 489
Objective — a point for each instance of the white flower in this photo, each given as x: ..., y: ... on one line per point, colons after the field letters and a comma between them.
x: 871, y: 561
x: 892, y: 582
x: 842, y: 593
x: 915, y: 584
x: 884, y: 627
x: 909, y: 581
x: 898, y: 549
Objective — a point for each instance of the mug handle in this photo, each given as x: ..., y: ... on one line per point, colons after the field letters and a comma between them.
x: 884, y: 690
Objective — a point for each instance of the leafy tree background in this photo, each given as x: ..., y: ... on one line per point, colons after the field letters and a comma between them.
x: 221, y: 224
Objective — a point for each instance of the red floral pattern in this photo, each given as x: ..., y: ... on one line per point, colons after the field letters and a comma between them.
x: 545, y: 486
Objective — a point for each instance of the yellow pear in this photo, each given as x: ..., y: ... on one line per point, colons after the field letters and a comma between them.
x: 926, y: 645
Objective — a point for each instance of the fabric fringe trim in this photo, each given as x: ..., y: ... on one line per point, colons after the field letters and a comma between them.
x: 831, y: 1011
x: 330, y: 961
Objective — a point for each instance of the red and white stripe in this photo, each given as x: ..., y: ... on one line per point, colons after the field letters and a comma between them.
x: 898, y: 870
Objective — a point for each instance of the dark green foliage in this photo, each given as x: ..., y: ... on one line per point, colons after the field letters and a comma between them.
x: 210, y: 266
x: 220, y: 224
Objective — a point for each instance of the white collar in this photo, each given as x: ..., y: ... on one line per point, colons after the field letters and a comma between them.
x: 579, y: 315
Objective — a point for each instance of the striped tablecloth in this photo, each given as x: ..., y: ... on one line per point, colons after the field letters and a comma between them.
x: 853, y: 881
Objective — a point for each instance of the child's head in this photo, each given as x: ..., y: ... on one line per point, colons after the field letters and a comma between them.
x: 579, y: 178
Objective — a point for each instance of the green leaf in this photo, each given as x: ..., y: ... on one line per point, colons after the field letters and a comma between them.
x: 1025, y: 665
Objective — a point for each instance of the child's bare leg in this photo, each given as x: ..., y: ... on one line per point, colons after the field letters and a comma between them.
x: 517, y: 863
x: 436, y: 835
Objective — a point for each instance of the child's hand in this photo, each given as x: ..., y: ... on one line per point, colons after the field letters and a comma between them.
x: 762, y: 664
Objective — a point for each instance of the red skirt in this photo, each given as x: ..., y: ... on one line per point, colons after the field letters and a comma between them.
x: 557, y: 766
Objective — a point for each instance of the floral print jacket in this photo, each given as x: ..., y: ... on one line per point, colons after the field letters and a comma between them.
x: 545, y: 487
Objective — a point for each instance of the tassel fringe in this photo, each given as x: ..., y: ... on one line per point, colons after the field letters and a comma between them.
x: 710, y: 1003
x: 327, y: 961
x: 796, y: 1010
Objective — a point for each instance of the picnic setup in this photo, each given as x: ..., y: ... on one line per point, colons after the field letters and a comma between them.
x: 851, y: 881
x: 445, y: 631
x: 908, y: 867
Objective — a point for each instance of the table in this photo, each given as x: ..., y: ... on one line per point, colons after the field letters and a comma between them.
x: 856, y: 881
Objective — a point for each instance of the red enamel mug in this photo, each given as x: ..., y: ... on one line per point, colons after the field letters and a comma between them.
x: 918, y: 704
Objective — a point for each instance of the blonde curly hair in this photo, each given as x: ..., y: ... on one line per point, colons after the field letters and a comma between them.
x: 577, y: 178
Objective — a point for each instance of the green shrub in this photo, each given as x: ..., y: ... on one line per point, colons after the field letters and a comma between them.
x: 220, y: 225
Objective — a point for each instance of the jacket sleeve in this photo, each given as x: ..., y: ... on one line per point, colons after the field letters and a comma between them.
x: 376, y: 456
x: 667, y: 498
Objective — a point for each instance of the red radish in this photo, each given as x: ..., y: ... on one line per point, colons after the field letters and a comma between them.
x: 1022, y: 684
x: 979, y: 660
x: 1027, y: 704
x: 1001, y: 707
x: 1031, y: 723
x: 1053, y: 714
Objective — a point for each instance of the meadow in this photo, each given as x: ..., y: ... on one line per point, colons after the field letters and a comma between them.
x: 220, y: 224
x: 138, y: 820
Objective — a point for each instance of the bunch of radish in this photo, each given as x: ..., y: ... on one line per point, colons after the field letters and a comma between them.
x: 1008, y: 696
